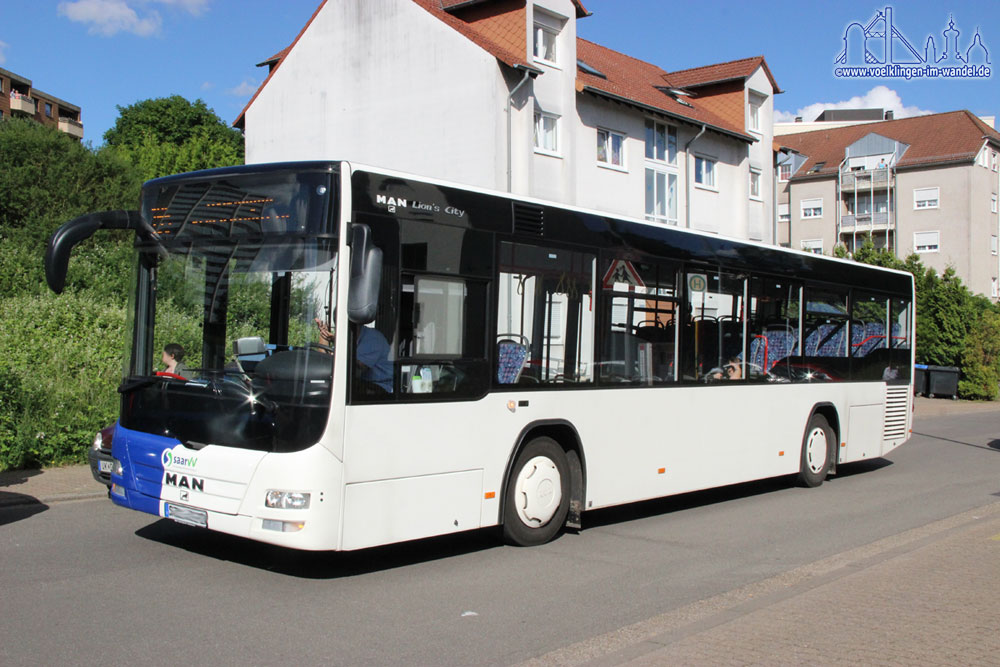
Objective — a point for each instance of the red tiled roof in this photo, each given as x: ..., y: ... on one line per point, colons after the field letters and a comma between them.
x: 484, y: 35
x: 954, y: 136
x: 637, y: 81
x: 449, y: 5
x: 709, y: 74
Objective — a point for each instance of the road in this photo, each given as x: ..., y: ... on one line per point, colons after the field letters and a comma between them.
x: 86, y: 581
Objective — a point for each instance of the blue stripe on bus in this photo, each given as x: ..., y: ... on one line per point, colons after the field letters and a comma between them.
x: 141, y: 456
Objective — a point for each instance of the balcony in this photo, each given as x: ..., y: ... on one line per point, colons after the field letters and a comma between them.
x: 73, y: 128
x: 865, y: 222
x: 866, y: 179
x: 22, y: 104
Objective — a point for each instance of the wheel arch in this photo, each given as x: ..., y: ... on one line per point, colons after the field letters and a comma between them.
x: 565, y: 434
x: 829, y: 412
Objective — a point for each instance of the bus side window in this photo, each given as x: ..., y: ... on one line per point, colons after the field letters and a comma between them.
x: 713, y: 332
x: 773, y: 329
x: 639, y: 328
x: 545, y: 305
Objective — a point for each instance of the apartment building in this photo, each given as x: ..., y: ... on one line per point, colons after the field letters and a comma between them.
x: 925, y: 185
x: 18, y: 98
x: 503, y: 94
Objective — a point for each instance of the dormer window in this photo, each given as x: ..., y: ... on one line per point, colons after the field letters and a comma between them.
x: 546, y: 37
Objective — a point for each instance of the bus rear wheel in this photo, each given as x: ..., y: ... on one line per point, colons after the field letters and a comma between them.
x: 817, y: 444
x: 537, y: 495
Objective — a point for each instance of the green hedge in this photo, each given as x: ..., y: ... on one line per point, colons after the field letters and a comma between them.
x: 60, y: 365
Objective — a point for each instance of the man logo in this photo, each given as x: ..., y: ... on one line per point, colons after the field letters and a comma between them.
x: 184, y: 482
x: 167, y: 458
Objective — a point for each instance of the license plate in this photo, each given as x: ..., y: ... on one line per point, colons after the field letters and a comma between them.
x: 187, y: 515
x: 105, y: 466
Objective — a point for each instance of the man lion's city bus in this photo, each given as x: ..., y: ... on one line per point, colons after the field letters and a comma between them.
x: 371, y: 357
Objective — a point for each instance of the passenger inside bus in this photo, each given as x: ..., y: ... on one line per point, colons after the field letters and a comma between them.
x: 173, y: 360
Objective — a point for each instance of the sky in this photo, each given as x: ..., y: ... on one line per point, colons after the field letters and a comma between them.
x: 104, y: 54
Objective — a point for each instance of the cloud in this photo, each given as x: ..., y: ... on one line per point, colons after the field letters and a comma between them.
x: 195, y: 7
x: 109, y: 17
x: 248, y: 87
x: 207, y: 86
x: 879, y: 97
x: 3, y: 56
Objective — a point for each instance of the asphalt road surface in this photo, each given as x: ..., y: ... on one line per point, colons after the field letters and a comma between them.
x: 86, y: 582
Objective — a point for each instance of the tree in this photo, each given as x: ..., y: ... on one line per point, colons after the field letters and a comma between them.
x: 170, y: 120
x: 170, y: 135
x: 981, y: 359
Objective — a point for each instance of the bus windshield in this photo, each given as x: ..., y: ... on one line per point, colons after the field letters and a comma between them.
x: 231, y: 291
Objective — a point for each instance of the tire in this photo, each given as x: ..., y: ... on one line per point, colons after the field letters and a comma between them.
x: 818, y: 442
x: 536, y: 499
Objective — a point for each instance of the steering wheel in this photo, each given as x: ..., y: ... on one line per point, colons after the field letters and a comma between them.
x: 319, y: 346
x: 173, y: 376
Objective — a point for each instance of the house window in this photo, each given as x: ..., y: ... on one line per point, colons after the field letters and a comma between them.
x: 926, y: 241
x: 814, y: 246
x: 754, y: 184
x: 993, y: 244
x: 925, y: 197
x: 704, y: 171
x: 661, y: 196
x: 812, y: 208
x: 661, y: 142
x: 610, y: 148
x: 756, y: 102
x: 993, y: 204
x: 546, y: 36
x: 784, y: 213
x: 994, y: 159
x: 784, y: 172
x: 993, y: 288
x: 546, y: 133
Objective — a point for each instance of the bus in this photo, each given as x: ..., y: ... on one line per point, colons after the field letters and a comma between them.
x: 370, y: 357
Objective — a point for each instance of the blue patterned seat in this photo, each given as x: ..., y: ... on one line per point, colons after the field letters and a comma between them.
x: 511, y: 356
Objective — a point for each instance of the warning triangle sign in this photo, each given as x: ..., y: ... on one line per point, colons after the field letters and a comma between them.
x: 621, y: 271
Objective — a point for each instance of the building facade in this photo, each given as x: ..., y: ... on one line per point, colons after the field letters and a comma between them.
x: 926, y: 185
x: 18, y: 98
x: 503, y: 95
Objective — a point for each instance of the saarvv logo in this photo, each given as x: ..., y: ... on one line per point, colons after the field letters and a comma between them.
x: 169, y: 459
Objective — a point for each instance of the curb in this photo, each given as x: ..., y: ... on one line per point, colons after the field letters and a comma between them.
x: 20, y: 500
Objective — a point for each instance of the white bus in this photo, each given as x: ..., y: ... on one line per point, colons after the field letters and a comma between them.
x: 495, y: 361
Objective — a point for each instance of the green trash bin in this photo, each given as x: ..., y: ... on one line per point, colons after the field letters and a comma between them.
x: 920, y: 379
x: 942, y: 381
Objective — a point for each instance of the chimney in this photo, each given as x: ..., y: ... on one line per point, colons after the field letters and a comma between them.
x: 798, y: 119
x: 888, y: 115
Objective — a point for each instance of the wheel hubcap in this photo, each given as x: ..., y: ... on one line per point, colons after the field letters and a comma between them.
x: 816, y: 449
x: 537, y: 491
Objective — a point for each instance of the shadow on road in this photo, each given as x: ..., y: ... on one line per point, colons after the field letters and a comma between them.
x: 333, y: 565
x: 320, y: 564
x: 18, y: 506
x: 993, y: 444
x: 685, y: 501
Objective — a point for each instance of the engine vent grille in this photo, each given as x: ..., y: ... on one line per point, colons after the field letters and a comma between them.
x: 896, y: 407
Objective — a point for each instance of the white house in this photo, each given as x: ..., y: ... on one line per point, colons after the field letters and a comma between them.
x: 502, y: 94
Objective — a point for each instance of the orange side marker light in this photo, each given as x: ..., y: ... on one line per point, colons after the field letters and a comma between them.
x: 490, y: 495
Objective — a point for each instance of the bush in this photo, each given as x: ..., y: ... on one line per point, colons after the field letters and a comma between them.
x: 60, y: 369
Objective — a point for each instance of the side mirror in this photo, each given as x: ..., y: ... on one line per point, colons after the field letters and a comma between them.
x: 76, y: 231
x: 366, y: 276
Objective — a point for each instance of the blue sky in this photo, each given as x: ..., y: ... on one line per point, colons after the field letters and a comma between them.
x: 101, y: 53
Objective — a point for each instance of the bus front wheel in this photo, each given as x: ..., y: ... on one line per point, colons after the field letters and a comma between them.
x: 537, y: 495
x: 817, y: 444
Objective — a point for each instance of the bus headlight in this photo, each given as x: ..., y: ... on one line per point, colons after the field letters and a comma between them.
x: 286, y: 500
